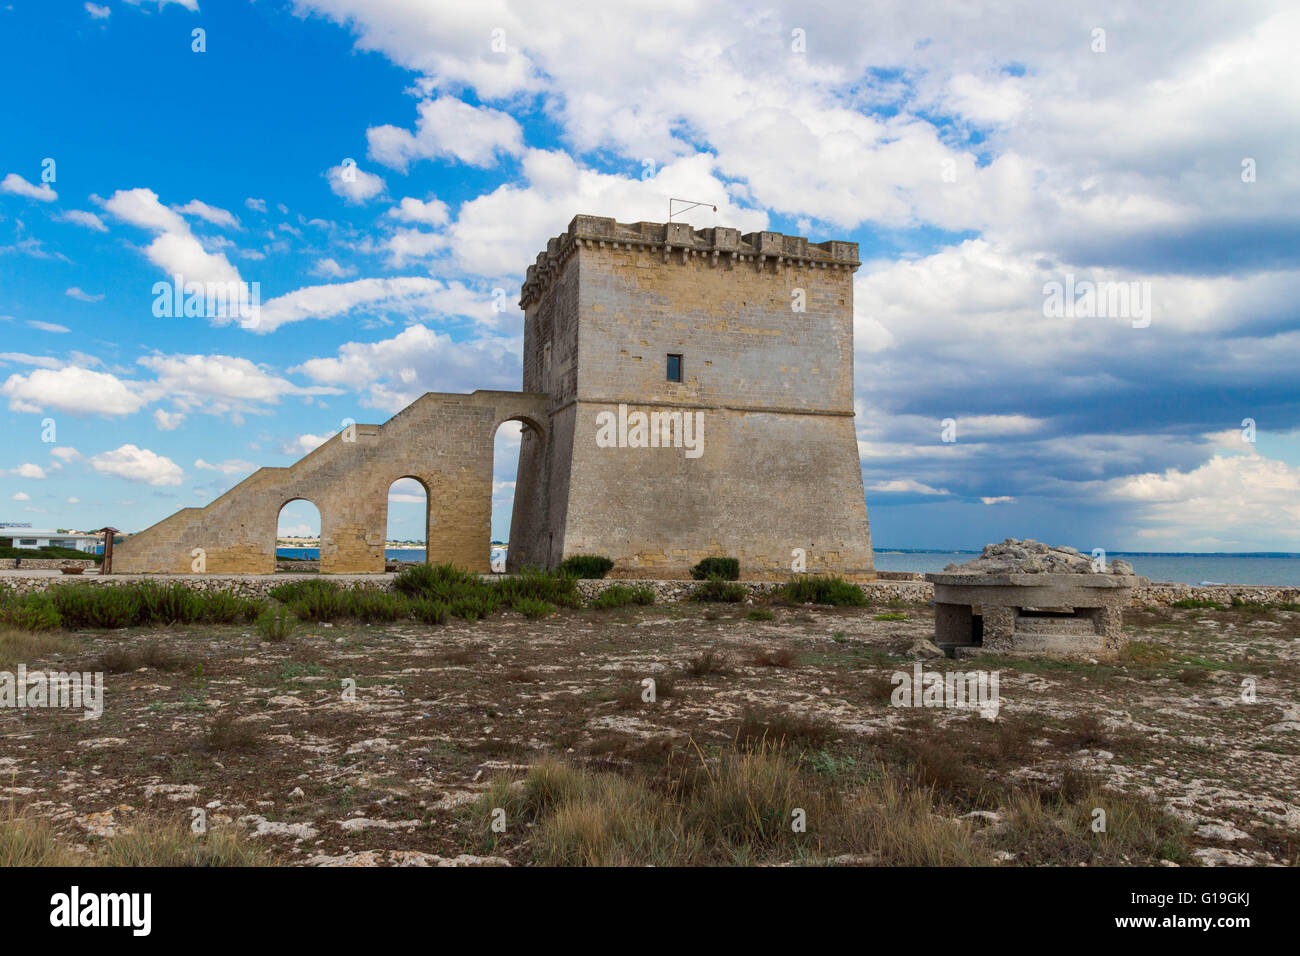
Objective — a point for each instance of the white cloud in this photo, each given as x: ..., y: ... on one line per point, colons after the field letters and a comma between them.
x: 1235, y: 502
x: 71, y: 389
x: 15, y: 184
x: 176, y: 250
x: 330, y: 269
x: 218, y: 384
x: 167, y: 421
x: 22, y: 358
x: 191, y: 5
x: 999, y: 500
x: 434, y: 212
x: 28, y: 470
x: 257, y: 205
x: 77, y: 293
x: 97, y: 12
x: 501, y: 232
x: 303, y: 444
x: 448, y: 128
x: 65, y: 453
x: 232, y: 466
x: 906, y: 486
x: 353, y: 184
x: 20, y: 496
x: 394, y: 372
x: 408, y: 295
x: 212, y: 214
x: 138, y: 464
x: 48, y: 326
x: 81, y: 217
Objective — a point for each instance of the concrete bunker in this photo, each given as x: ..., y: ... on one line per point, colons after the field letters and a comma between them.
x: 1026, y: 597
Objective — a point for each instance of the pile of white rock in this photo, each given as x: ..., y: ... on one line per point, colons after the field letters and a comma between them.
x: 1014, y: 556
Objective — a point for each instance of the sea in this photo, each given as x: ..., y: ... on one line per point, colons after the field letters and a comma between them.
x: 1278, y: 569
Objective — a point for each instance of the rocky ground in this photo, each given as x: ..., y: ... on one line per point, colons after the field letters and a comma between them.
x: 263, y: 736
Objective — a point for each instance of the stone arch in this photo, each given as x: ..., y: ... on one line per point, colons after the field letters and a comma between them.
x: 286, y: 501
x: 529, y: 489
x: 429, y: 521
x: 528, y: 421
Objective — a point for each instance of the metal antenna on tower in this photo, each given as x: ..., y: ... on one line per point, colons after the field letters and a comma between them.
x: 691, y: 204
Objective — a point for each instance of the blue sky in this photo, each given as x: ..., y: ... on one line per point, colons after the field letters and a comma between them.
x: 975, y: 155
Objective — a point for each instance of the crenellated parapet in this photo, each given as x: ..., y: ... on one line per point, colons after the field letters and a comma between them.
x: 678, y: 241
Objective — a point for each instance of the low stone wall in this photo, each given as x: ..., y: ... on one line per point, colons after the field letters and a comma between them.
x: 1162, y: 595
x: 44, y: 564
x: 666, y: 592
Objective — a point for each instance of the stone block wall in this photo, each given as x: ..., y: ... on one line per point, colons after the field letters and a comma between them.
x: 444, y: 441
x: 764, y: 325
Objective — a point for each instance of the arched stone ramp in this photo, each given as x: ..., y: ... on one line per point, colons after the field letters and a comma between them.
x: 442, y: 440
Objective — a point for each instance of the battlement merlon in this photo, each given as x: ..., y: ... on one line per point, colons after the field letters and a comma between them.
x: 679, y: 238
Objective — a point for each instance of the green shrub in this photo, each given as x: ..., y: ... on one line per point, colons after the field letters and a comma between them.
x: 168, y: 603
x: 444, y: 582
x: 276, y: 624
x: 222, y: 607
x: 718, y: 590
x: 821, y: 590
x: 1200, y: 603
x: 728, y: 569
x: 586, y: 566
x: 369, y: 604
x: 620, y: 595
x: 430, y: 611
x: 314, y: 600
x: 471, y: 607
x: 32, y: 612
x: 760, y: 614
x: 141, y: 603
x: 534, y: 584
x: 292, y: 591
x: 533, y: 607
x: 86, y: 605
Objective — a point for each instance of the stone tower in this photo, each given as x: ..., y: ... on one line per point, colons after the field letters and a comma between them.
x: 700, y: 402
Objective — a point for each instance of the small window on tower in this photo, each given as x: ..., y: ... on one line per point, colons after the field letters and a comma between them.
x: 674, y: 368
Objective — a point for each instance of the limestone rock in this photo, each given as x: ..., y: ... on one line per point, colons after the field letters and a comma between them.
x: 1015, y: 556
x: 925, y: 649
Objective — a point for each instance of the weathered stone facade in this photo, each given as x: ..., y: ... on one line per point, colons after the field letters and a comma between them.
x: 763, y: 326
x: 752, y: 454
x: 443, y: 441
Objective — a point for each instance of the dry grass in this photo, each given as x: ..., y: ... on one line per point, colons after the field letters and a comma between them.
x: 24, y: 647
x: 707, y: 663
x: 777, y: 728
x: 27, y: 840
x: 171, y: 843
x: 226, y: 732
x: 127, y: 658
x: 1059, y: 826
x: 741, y: 808
x: 781, y: 657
